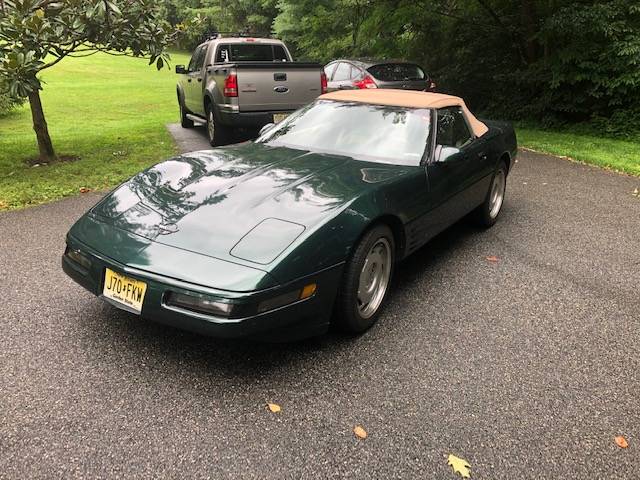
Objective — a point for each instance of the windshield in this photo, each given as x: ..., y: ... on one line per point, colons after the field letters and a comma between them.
x: 397, y: 72
x: 373, y: 133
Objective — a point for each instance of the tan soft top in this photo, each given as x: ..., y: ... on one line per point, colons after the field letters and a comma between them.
x: 407, y: 98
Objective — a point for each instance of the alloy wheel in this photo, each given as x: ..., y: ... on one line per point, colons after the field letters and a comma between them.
x: 374, y: 278
x: 497, y: 193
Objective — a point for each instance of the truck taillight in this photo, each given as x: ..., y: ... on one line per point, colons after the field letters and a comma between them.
x: 231, y: 85
x: 366, y: 82
x: 323, y: 82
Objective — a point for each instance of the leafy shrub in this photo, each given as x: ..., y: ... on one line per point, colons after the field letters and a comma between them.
x: 8, y: 102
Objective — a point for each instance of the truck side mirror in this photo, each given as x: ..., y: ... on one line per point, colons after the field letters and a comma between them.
x: 181, y: 69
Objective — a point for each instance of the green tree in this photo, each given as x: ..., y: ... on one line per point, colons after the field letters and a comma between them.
x: 37, y: 34
x: 254, y: 16
x: 548, y: 60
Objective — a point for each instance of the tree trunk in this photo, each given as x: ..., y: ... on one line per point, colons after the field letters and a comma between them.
x: 47, y: 154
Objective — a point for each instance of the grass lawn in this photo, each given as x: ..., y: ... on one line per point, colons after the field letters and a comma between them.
x: 615, y: 154
x: 110, y: 111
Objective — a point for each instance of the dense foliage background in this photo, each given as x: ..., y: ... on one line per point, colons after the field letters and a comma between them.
x: 551, y: 61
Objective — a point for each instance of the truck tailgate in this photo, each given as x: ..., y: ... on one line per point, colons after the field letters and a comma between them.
x: 274, y: 87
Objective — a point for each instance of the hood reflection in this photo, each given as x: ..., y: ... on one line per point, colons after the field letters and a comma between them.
x: 215, y: 197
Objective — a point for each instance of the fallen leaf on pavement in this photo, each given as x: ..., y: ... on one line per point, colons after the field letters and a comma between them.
x: 84, y: 189
x: 275, y: 408
x: 460, y: 466
x: 636, y: 193
x: 492, y: 259
x: 622, y: 442
x: 360, y: 432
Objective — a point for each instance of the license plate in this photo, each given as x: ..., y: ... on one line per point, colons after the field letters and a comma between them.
x: 124, y: 290
x: 278, y: 117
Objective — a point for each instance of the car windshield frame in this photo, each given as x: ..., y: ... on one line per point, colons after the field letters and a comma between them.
x: 267, y: 137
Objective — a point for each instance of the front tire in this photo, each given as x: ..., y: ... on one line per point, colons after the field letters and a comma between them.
x: 487, y: 214
x: 366, y: 280
x: 185, y: 122
x: 217, y: 133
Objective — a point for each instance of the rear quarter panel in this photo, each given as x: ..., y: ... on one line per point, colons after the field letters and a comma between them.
x: 502, y: 138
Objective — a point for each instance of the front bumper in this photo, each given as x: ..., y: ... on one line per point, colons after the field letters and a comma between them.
x: 303, y: 318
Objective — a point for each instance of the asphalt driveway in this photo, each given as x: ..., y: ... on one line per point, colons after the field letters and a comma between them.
x: 526, y: 368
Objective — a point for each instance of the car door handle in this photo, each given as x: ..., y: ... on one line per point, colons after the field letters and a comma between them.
x: 199, y: 79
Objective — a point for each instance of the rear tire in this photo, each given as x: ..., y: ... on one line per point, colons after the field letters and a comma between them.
x: 217, y: 133
x: 185, y: 122
x: 365, y: 281
x: 487, y: 214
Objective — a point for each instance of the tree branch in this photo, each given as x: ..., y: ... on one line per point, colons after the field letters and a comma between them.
x: 62, y: 55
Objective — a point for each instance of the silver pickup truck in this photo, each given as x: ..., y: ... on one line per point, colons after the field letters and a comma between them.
x: 244, y: 83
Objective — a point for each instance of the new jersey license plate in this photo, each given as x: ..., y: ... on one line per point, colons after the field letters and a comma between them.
x: 124, y: 290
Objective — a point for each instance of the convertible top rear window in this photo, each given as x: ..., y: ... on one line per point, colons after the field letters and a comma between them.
x: 376, y: 133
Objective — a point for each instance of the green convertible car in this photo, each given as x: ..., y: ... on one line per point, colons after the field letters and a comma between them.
x: 279, y: 237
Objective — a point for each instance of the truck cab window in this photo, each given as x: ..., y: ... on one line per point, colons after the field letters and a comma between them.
x: 279, y: 55
x: 250, y: 52
x: 223, y: 54
x: 194, y: 59
x: 200, y: 60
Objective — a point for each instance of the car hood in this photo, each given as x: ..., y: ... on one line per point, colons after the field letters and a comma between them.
x: 207, y: 202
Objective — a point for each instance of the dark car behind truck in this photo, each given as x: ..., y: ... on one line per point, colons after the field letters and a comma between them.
x: 244, y: 83
x: 351, y: 74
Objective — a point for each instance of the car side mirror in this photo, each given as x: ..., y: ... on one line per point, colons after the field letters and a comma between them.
x: 181, y: 69
x: 264, y: 129
x: 444, y: 154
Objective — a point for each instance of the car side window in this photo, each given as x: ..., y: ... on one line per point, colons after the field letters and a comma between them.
x: 328, y: 70
x: 343, y: 72
x: 356, y: 73
x: 453, y: 130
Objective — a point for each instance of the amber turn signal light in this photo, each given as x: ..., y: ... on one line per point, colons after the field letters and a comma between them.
x: 308, y: 291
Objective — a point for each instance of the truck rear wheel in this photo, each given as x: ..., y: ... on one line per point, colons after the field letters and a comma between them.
x: 218, y: 134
